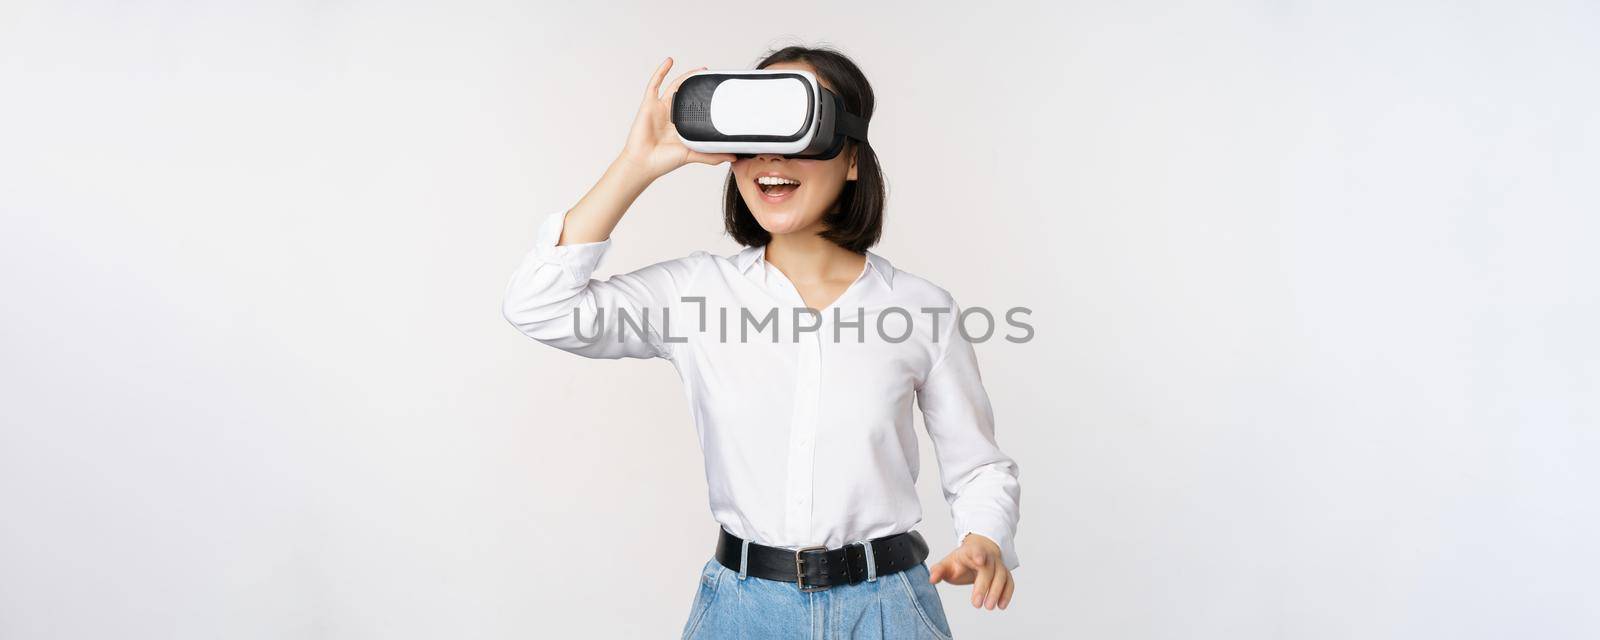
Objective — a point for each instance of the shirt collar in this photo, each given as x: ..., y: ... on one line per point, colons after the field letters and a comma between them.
x: 749, y: 256
x: 752, y: 256
x: 881, y: 265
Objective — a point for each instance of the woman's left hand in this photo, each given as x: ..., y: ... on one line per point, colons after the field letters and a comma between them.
x: 977, y: 562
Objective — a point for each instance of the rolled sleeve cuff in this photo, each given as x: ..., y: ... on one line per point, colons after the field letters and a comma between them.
x: 1000, y: 535
x: 578, y: 260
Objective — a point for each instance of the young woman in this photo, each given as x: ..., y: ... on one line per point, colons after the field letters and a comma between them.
x: 801, y: 356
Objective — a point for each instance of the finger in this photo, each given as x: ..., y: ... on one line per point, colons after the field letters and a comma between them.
x: 677, y: 82
x: 652, y: 90
x: 959, y: 569
x: 998, y: 587
x: 980, y: 587
x: 710, y: 158
x: 950, y: 570
x: 934, y: 571
x: 1005, y: 598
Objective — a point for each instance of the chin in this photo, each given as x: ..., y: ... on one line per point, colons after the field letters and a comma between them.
x: 781, y: 218
x: 782, y: 222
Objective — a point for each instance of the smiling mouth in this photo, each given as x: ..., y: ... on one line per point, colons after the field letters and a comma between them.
x: 776, y: 188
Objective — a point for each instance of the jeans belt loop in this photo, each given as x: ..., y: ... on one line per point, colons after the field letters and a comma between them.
x: 744, y: 559
x: 872, y: 566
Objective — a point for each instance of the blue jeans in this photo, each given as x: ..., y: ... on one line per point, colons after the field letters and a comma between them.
x: 894, y: 606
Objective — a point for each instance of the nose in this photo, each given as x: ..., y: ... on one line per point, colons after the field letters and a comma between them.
x: 769, y: 157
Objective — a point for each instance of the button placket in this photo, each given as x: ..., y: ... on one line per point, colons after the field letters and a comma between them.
x: 802, y: 439
x: 802, y: 427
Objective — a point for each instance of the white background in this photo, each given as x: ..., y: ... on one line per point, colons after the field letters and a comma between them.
x: 1313, y: 283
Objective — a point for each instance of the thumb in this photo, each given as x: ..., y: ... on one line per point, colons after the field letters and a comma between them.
x: 936, y: 572
x: 711, y: 158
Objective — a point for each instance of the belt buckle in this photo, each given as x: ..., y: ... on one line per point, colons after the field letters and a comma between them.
x: 799, y: 569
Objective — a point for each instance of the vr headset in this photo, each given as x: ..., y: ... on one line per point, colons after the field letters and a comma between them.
x: 746, y: 113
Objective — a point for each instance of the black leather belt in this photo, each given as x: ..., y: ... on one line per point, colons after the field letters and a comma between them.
x: 817, y: 568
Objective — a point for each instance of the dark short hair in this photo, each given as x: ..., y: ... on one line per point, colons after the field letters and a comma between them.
x: 856, y: 219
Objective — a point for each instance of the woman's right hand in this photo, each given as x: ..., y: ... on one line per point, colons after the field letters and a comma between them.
x: 654, y: 148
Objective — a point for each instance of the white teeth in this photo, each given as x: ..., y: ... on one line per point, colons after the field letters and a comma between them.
x: 774, y: 180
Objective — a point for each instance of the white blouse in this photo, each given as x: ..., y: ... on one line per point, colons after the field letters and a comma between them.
x: 804, y: 419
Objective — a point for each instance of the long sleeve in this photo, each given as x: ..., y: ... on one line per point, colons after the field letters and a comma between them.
x: 621, y: 317
x: 980, y: 481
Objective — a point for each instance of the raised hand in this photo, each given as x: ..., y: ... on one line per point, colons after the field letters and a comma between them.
x: 653, y: 144
x: 653, y: 150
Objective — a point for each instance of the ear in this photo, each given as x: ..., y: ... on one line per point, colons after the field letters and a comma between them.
x: 850, y: 177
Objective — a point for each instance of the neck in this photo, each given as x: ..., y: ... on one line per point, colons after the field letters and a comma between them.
x: 804, y: 256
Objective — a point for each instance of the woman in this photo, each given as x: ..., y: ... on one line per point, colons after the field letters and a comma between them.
x: 804, y: 417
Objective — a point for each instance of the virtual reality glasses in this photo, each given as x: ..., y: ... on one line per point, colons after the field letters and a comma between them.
x: 783, y: 112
